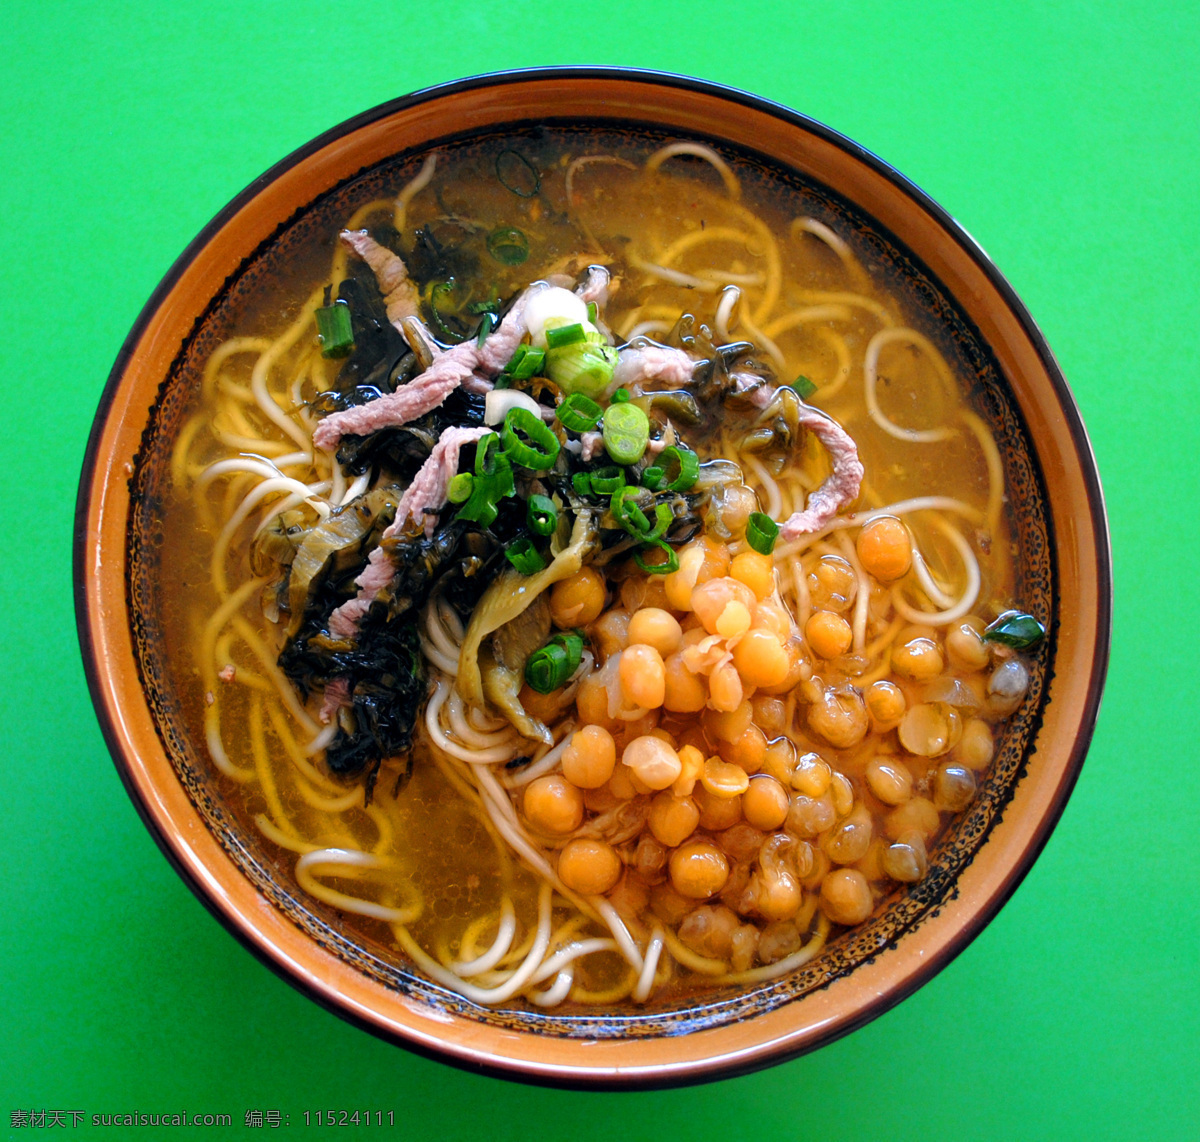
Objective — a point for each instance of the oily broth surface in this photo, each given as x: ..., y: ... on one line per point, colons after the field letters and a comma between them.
x: 433, y: 836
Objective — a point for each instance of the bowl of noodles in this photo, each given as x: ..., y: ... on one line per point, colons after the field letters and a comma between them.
x: 593, y: 576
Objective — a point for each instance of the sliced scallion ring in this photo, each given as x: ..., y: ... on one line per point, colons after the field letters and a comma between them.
x: 550, y: 667
x: 663, y: 518
x: 460, y: 487
x: 761, y: 533
x: 525, y: 362
x: 607, y: 480
x: 540, y: 448
x: 492, y: 482
x: 508, y: 245
x: 628, y: 514
x: 681, y: 466
x: 626, y: 432
x: 486, y: 324
x: 578, y: 413
x: 562, y: 335
x: 335, y: 329
x: 524, y: 557
x: 671, y: 564
x: 584, y: 366
x: 541, y: 515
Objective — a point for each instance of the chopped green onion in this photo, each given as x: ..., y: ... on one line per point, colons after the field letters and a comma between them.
x: 487, y: 455
x: 541, y: 449
x: 541, y: 515
x: 582, y: 366
x: 552, y: 666
x: 1015, y: 629
x: 653, y: 477
x: 607, y: 480
x: 579, y: 413
x: 804, y: 387
x: 524, y: 557
x: 493, y: 482
x: 460, y: 488
x: 672, y: 563
x: 562, y: 335
x: 620, y: 396
x: 663, y: 518
x: 628, y: 514
x: 626, y: 432
x: 531, y: 363
x: 525, y: 362
x: 335, y: 330
x: 685, y: 465
x: 761, y: 533
x: 503, y: 381
x: 517, y: 174
x: 582, y: 483
x: 593, y: 311
x: 508, y: 245
x: 480, y: 508
x: 486, y: 325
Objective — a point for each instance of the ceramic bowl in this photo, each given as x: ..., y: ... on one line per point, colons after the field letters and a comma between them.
x: 1060, y: 531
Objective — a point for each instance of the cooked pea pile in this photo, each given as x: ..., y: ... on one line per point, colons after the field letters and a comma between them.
x: 738, y: 831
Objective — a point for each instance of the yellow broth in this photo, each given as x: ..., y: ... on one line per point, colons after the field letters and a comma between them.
x: 672, y: 239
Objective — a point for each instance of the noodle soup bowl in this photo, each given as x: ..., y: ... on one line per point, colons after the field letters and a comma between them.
x: 1059, y: 544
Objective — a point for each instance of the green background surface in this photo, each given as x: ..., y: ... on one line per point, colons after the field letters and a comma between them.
x: 1064, y: 136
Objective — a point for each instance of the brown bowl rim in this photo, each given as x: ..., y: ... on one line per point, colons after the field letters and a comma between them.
x: 665, y: 1075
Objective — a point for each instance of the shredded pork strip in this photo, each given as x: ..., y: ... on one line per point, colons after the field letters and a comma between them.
x: 595, y: 286
x: 336, y: 697
x: 653, y: 362
x: 427, y: 493
x: 378, y: 573
x: 839, y: 488
x: 421, y: 502
x: 399, y: 293
x: 425, y: 392
x: 675, y: 366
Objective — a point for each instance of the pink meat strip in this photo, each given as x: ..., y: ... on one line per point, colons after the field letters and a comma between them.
x: 450, y: 368
x: 593, y: 444
x: 653, y: 362
x: 751, y: 386
x: 378, y: 573
x: 337, y: 697
x: 399, y: 293
x: 427, y: 493
x: 840, y: 487
x: 428, y: 490
x: 502, y: 343
x: 674, y: 366
x: 594, y: 287
x: 409, y: 402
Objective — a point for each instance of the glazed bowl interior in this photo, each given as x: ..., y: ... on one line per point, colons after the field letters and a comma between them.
x: 1059, y: 532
